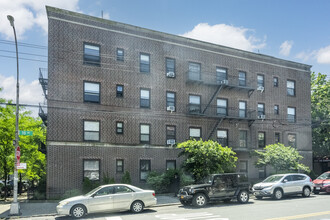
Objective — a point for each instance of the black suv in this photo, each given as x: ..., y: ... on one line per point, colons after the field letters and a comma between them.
x: 217, y: 187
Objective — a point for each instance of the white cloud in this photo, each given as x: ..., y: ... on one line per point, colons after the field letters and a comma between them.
x: 323, y: 55
x: 226, y: 35
x: 285, y: 48
x: 28, y: 13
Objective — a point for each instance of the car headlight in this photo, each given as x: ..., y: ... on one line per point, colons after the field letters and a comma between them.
x: 63, y: 203
x: 191, y: 190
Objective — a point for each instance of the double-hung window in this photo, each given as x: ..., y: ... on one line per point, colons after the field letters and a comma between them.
x: 92, y: 54
x: 291, y: 88
x: 91, y: 92
x: 276, y: 109
x: 292, y: 140
x: 261, y: 139
x: 119, y: 166
x: 194, y: 104
x: 119, y: 127
x: 291, y: 114
x: 195, y: 133
x: 145, y: 168
x: 243, y: 166
x: 194, y: 71
x: 221, y: 75
x: 222, y: 107
x: 92, y: 169
x: 261, y: 81
x: 243, y: 139
x: 170, y: 164
x: 144, y: 63
x: 91, y: 130
x: 120, y: 54
x: 119, y: 91
x: 170, y: 101
x: 277, y: 138
x: 222, y: 136
x: 170, y: 134
x: 145, y: 134
x: 275, y: 81
x: 170, y: 67
x: 242, y: 78
x: 242, y: 109
x: 261, y: 109
x: 145, y: 98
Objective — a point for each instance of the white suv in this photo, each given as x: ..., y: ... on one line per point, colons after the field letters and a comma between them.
x: 278, y: 185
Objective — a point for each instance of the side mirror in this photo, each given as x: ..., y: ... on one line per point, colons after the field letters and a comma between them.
x: 285, y: 181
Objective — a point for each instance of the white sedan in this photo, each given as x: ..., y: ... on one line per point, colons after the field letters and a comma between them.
x: 106, y: 198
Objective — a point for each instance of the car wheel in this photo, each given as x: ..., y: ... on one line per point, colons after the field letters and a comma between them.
x: 137, y: 207
x: 78, y: 211
x: 278, y: 194
x: 243, y: 196
x: 199, y: 200
x: 306, y: 192
x: 258, y: 197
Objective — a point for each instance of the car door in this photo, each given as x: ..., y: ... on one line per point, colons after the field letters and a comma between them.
x: 299, y: 182
x: 232, y: 185
x: 102, y: 200
x: 219, y: 186
x: 288, y: 185
x: 123, y: 197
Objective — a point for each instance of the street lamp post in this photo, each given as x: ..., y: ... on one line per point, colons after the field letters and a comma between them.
x: 14, y: 208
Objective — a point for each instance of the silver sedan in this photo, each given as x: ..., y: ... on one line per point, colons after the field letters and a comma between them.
x: 106, y: 198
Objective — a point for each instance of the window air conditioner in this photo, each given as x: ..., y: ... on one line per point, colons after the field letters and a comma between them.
x: 261, y: 117
x: 225, y: 82
x: 170, y: 141
x: 170, y: 108
x: 261, y: 88
x: 170, y: 74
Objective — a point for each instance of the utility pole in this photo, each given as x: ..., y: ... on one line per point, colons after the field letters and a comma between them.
x: 14, y: 208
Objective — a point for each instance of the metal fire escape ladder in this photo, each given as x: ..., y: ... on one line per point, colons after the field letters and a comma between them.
x: 43, y: 80
x: 212, y: 98
x: 215, y: 127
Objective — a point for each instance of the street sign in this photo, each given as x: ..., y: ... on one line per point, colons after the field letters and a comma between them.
x: 18, y: 153
x: 26, y: 133
x: 21, y: 166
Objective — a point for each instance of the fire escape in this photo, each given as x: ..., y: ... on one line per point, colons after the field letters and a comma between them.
x: 220, y: 81
x: 43, y: 80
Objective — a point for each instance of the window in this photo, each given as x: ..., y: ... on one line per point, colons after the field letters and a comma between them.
x: 242, y: 109
x: 170, y: 164
x: 222, y: 107
x: 261, y: 139
x: 277, y: 138
x: 92, y: 54
x: 243, y: 139
x: 292, y: 140
x: 144, y: 63
x: 276, y: 109
x: 91, y: 130
x: 145, y: 168
x: 92, y: 169
x: 291, y: 114
x: 260, y: 79
x: 242, y: 78
x: 104, y: 191
x: 275, y: 81
x: 122, y: 189
x: 144, y: 134
x: 119, y: 166
x: 262, y: 173
x: 195, y: 133
x: 261, y: 109
x: 222, y: 136
x: 221, y: 74
x: 119, y: 127
x: 194, y: 71
x: 291, y: 88
x: 170, y: 67
x: 119, y: 91
x: 120, y: 54
x: 194, y: 104
x: 170, y: 133
x: 145, y: 98
x: 243, y: 166
x: 170, y: 101
x: 91, y: 92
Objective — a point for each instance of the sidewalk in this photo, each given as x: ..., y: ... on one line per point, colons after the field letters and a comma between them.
x: 44, y: 208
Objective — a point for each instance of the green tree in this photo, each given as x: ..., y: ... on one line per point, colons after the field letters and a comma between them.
x: 206, y: 157
x: 281, y: 158
x: 320, y: 98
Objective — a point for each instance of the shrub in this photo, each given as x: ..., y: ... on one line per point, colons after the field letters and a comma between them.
x: 126, y: 179
x: 88, y: 185
x: 108, y: 180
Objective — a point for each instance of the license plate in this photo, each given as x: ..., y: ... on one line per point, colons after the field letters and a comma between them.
x: 317, y: 188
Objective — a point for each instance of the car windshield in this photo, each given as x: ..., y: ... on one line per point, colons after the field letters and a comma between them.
x: 324, y: 176
x: 93, y: 191
x: 272, y: 179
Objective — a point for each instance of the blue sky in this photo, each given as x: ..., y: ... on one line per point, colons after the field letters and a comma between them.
x: 296, y: 30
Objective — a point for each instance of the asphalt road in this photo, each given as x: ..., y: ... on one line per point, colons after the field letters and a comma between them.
x: 314, y: 207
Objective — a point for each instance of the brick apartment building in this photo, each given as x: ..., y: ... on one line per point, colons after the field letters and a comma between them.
x: 119, y: 97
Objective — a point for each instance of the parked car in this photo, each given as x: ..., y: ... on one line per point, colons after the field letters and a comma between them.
x: 277, y: 186
x: 216, y: 187
x: 106, y: 198
x: 322, y: 183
